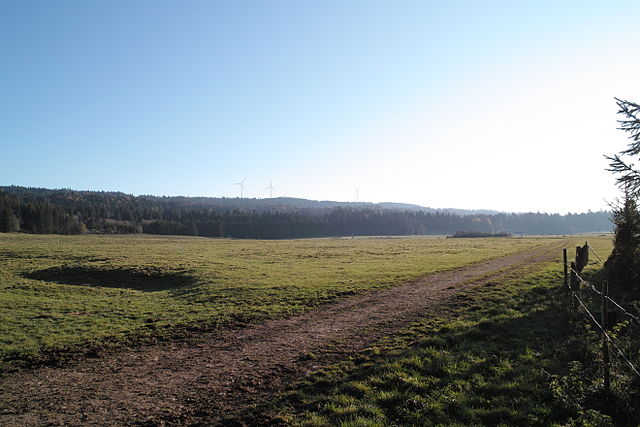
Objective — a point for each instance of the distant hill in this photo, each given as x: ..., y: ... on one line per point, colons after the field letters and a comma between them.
x: 64, y: 211
x: 226, y: 204
x: 408, y: 207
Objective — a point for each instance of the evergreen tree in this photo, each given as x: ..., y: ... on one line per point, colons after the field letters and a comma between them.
x: 8, y: 221
x: 623, y: 265
x: 628, y: 177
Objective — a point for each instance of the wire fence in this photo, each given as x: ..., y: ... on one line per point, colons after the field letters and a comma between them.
x: 612, y: 301
x: 575, y: 270
x: 607, y: 297
x: 604, y: 332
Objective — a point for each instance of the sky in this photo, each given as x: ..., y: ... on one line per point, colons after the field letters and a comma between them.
x: 464, y: 104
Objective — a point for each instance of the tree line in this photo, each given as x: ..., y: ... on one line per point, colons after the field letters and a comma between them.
x: 34, y: 210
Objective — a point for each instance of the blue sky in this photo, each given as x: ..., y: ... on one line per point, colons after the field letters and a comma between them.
x: 495, y: 105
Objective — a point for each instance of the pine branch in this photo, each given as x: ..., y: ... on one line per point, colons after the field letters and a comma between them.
x: 631, y: 124
x: 630, y: 177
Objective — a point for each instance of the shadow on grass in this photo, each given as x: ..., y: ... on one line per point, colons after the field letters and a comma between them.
x: 491, y: 372
x: 147, y: 280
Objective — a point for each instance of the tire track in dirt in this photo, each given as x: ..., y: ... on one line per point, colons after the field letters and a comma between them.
x: 206, y: 379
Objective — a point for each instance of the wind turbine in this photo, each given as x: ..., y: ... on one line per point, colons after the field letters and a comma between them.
x: 270, y: 188
x: 358, y: 190
x: 241, y: 184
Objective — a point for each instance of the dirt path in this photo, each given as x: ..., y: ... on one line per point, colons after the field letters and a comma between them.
x: 204, y: 380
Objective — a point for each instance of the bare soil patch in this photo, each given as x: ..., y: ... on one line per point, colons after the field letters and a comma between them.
x: 209, y: 377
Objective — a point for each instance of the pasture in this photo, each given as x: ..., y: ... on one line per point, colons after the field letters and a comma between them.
x: 497, y: 356
x: 67, y: 294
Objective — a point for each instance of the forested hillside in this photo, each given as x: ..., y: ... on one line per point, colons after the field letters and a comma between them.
x: 36, y: 210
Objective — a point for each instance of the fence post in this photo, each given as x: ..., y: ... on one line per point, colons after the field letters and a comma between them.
x: 566, y: 278
x: 605, y: 345
x: 573, y: 284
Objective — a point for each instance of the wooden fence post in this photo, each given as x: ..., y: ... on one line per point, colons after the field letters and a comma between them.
x: 578, y: 250
x: 566, y: 274
x: 573, y: 284
x: 605, y: 345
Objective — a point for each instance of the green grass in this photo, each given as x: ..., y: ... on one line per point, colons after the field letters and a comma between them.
x: 69, y: 293
x: 495, y: 357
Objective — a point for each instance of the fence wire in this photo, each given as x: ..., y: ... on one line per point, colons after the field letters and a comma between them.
x: 600, y: 260
x: 594, y: 252
x: 612, y: 301
x: 604, y: 332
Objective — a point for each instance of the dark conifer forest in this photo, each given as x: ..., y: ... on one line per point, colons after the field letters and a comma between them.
x: 37, y: 210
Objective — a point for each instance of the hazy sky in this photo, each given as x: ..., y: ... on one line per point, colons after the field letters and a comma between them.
x: 501, y: 105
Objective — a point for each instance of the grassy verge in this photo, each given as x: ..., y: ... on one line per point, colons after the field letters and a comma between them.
x: 65, y: 294
x: 503, y: 354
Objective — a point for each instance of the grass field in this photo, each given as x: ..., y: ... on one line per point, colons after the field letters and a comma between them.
x: 69, y: 293
x: 495, y: 358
